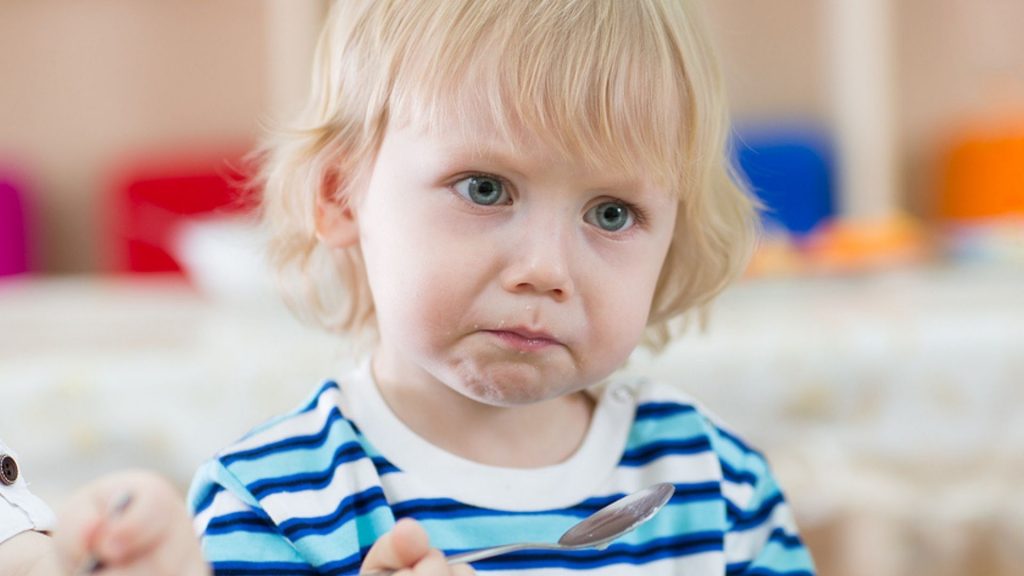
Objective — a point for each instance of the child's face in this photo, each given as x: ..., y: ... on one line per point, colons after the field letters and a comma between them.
x: 506, y: 273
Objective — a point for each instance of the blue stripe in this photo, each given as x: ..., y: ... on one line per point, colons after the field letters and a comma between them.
x: 652, y: 551
x: 424, y: 508
x: 745, y: 570
x: 697, y: 491
x: 347, y: 452
x: 310, y: 405
x: 308, y: 441
x: 746, y: 519
x: 658, y: 410
x: 647, y: 453
x: 207, y: 499
x: 344, y: 567
x: 736, y: 568
x: 261, y: 568
x: 787, y: 541
x: 738, y: 442
x: 737, y: 476
x: 351, y: 506
x: 250, y: 521
x: 450, y: 509
x: 383, y: 466
x: 315, y: 400
x: 779, y: 537
x: 446, y: 508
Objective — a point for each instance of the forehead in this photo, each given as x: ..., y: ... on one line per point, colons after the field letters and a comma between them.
x: 482, y: 142
x: 470, y: 126
x: 613, y: 99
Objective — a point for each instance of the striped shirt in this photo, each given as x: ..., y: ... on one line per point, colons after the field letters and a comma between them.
x: 310, y: 492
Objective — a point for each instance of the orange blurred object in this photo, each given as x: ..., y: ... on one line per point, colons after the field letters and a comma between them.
x: 983, y: 174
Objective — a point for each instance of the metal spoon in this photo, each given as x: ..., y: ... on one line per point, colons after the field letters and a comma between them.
x: 595, y: 531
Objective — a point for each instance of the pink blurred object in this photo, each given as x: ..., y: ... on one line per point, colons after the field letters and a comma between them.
x: 13, y: 227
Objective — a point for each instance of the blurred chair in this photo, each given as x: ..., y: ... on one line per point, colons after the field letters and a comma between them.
x: 790, y: 170
x: 153, y: 197
x: 13, y: 227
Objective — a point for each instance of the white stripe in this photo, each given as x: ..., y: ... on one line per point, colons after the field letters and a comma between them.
x: 679, y: 469
x: 304, y: 424
x: 348, y: 479
x: 223, y: 503
x: 738, y: 494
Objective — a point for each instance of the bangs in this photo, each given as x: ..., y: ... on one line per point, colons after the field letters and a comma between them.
x: 597, y: 81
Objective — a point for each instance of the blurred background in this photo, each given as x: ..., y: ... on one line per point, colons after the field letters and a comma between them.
x: 874, y: 349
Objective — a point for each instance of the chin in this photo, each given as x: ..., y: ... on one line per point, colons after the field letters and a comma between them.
x: 507, y: 391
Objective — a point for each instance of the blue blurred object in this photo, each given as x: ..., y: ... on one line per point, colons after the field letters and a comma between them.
x: 790, y: 168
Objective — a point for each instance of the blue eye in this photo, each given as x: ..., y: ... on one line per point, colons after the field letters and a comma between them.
x: 482, y: 190
x: 610, y: 216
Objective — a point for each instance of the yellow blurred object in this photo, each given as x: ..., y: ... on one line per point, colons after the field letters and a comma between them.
x: 847, y: 246
x: 840, y: 247
x: 776, y: 254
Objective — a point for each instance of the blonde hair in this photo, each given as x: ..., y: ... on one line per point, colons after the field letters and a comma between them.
x: 632, y: 85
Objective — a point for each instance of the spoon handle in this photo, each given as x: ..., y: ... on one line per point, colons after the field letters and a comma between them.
x: 481, y: 554
x: 474, y: 555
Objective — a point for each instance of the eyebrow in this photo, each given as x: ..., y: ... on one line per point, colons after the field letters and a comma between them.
x: 509, y: 162
x: 506, y: 160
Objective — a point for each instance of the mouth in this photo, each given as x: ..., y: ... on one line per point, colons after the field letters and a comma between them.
x: 524, y: 340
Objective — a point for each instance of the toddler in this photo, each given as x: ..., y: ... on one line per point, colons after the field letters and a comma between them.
x: 503, y: 199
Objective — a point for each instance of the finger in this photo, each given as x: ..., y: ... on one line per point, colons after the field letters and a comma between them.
x: 433, y: 563
x: 143, y: 568
x: 180, y: 553
x: 403, y: 547
x: 143, y: 523
x: 462, y: 570
x: 78, y: 525
x: 177, y: 555
x: 92, y: 525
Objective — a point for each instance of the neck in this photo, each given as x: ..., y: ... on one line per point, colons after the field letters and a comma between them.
x: 527, y: 436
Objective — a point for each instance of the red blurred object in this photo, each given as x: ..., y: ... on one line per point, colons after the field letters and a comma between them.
x: 154, y: 196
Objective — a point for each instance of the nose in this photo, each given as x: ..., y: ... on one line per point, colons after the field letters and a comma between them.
x: 541, y: 264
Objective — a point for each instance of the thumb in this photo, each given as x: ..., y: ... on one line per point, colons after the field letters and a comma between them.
x: 403, y: 547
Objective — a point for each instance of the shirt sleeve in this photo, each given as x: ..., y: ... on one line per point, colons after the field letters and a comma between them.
x: 20, y: 510
x: 762, y: 537
x: 237, y: 536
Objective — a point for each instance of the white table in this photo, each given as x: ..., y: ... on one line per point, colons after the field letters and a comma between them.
x: 892, y: 405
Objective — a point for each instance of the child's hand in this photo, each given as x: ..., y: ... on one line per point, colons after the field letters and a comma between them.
x: 149, y: 533
x: 407, y: 549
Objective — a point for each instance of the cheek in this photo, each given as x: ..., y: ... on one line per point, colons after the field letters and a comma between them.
x: 414, y: 283
x: 623, y: 309
x: 623, y: 322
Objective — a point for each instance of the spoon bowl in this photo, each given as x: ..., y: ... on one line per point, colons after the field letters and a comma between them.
x: 595, y: 531
x: 618, y: 518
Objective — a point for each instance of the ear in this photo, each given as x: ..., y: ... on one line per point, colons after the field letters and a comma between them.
x: 336, y: 225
